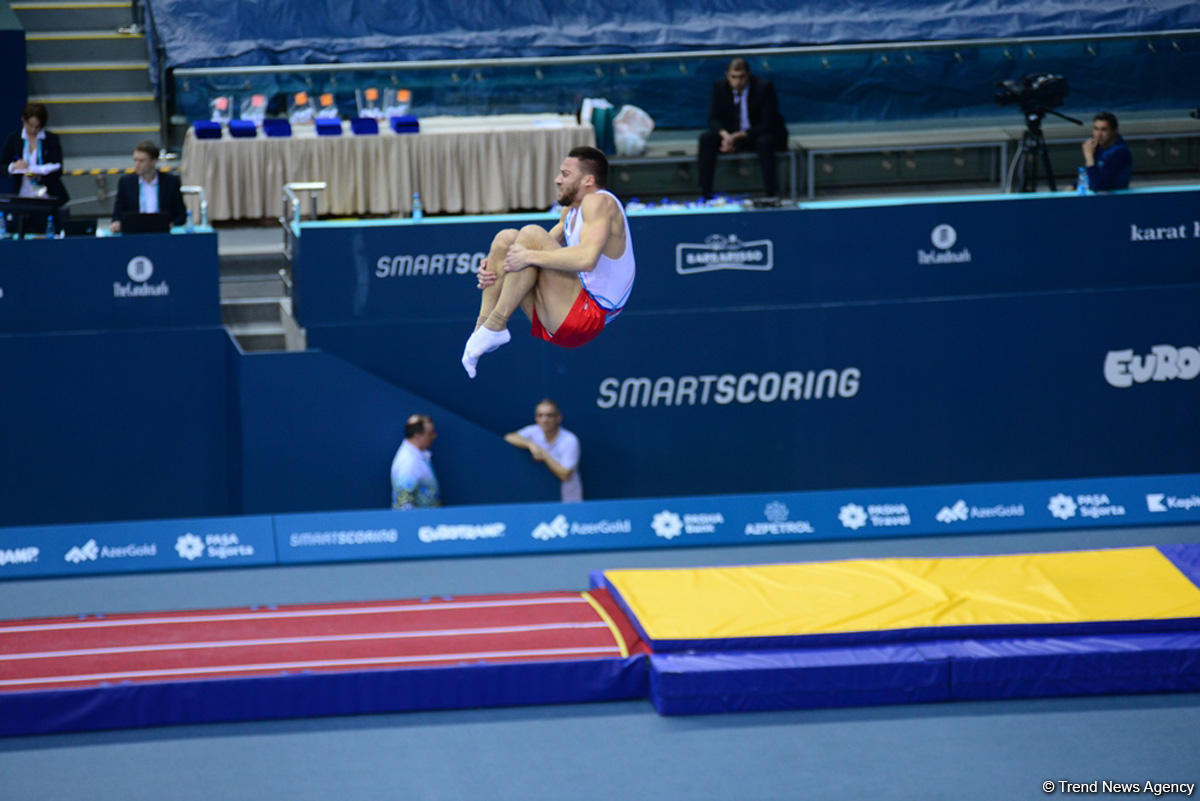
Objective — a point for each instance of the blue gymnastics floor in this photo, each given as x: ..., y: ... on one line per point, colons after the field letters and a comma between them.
x: 978, y: 750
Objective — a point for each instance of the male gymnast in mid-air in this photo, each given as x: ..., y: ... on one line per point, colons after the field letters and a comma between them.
x: 572, y: 280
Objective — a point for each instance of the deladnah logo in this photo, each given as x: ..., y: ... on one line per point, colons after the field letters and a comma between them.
x: 1062, y: 506
x: 140, y: 269
x: 723, y: 253
x: 667, y: 525
x: 943, y: 237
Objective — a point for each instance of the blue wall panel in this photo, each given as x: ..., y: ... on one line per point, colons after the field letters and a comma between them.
x: 318, y: 433
x: 114, y: 425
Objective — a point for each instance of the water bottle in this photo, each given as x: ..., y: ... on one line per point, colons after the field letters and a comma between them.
x: 3, y: 225
x: 189, y: 226
x: 1081, y: 185
x: 50, y: 227
x: 418, y: 212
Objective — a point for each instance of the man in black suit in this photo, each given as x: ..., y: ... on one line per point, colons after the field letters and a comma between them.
x: 148, y: 191
x: 743, y: 115
x: 34, y: 157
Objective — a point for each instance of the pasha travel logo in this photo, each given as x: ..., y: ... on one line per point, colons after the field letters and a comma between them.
x: 1124, y: 368
x: 719, y: 252
x: 140, y: 269
x: 943, y: 237
x: 878, y: 515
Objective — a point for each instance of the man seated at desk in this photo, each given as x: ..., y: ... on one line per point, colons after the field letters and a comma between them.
x: 148, y: 191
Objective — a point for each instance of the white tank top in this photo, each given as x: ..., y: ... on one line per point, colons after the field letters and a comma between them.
x: 612, y: 279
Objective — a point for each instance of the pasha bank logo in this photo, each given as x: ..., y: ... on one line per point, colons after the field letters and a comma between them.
x: 719, y: 252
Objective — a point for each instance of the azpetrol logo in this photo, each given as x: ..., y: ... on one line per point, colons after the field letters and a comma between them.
x: 560, y: 527
x: 961, y: 511
x: 776, y: 514
x: 943, y: 237
x: 719, y: 252
x: 139, y: 269
x: 1123, y: 369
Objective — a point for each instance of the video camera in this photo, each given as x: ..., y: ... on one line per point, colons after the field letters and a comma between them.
x: 1033, y: 92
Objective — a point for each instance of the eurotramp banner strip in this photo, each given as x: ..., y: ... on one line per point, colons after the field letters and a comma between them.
x: 215, y: 542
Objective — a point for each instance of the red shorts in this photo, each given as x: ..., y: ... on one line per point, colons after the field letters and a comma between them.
x: 584, y: 322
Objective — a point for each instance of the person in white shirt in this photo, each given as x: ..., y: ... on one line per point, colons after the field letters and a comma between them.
x: 414, y: 484
x: 572, y: 280
x: 552, y: 445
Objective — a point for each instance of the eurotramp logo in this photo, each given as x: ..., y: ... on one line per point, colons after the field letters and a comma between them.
x: 719, y: 252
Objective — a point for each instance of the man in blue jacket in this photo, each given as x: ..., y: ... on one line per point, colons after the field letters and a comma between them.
x: 1106, y: 156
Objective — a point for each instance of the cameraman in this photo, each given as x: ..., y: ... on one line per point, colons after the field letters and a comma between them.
x: 1106, y: 156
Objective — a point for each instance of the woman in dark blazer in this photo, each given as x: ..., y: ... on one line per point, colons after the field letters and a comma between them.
x: 33, y: 157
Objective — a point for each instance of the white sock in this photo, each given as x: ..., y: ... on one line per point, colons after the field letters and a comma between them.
x: 484, y: 340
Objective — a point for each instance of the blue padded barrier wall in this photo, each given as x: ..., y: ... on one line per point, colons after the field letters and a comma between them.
x: 865, y: 355
x: 114, y: 425
x: 318, y: 433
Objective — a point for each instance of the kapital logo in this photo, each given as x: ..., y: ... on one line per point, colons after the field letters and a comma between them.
x: 140, y: 269
x: 719, y: 252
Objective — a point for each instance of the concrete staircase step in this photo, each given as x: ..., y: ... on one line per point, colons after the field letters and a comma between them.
x: 63, y: 78
x: 251, y: 310
x: 110, y: 108
x: 83, y: 45
x: 50, y: 16
x: 115, y: 140
x: 251, y: 287
x: 259, y: 336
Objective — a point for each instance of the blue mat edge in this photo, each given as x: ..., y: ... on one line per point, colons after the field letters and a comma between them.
x: 994, y: 669
x: 295, y: 695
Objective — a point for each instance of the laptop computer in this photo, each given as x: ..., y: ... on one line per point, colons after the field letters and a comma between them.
x: 80, y: 226
x: 157, y: 223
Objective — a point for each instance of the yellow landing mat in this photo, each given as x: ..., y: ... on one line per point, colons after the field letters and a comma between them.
x: 864, y: 595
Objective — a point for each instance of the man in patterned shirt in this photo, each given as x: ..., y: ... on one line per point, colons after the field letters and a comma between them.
x: 414, y: 484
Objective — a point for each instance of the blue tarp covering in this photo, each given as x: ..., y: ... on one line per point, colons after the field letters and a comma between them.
x: 285, y: 31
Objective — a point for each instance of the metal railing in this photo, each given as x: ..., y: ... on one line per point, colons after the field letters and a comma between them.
x: 292, y: 213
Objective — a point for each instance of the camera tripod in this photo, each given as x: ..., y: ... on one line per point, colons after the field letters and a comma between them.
x: 1033, y: 150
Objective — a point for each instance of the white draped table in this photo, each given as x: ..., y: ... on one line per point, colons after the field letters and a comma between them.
x: 471, y: 165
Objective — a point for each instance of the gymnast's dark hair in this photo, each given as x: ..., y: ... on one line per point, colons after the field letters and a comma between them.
x: 593, y: 161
